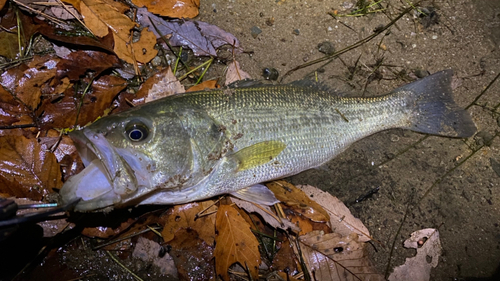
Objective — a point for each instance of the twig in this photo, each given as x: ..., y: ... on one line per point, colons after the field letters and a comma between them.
x: 123, y: 266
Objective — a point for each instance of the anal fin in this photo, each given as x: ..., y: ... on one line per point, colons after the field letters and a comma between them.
x: 258, y: 194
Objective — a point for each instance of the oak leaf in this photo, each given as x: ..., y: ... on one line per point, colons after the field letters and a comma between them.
x: 27, y: 169
x: 235, y: 243
x: 171, y: 8
x: 184, y: 216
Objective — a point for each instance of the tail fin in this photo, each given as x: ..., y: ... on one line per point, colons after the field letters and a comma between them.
x: 433, y: 109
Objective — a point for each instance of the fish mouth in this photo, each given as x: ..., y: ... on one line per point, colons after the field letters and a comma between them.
x: 108, y: 178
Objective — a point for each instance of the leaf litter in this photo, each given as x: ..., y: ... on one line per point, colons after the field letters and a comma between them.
x: 204, y: 239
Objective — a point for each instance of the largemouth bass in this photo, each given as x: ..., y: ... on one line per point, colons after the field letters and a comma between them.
x: 203, y: 144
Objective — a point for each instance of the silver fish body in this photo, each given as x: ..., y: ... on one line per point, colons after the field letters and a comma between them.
x: 202, y: 144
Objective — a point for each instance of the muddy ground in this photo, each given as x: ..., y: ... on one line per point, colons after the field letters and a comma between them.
x: 463, y: 199
x: 450, y: 184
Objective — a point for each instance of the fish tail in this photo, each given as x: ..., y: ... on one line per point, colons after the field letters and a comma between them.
x: 433, y: 110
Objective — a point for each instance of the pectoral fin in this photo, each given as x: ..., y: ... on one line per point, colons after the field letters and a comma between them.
x: 258, y: 154
x: 257, y: 193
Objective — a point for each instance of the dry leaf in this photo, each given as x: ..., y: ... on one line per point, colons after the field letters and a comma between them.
x: 274, y: 221
x: 148, y: 251
x: 10, y: 47
x: 27, y: 82
x: 201, y: 37
x: 336, y: 257
x: 171, y: 8
x: 301, y: 203
x: 2, y: 3
x: 429, y: 249
x: 160, y: 85
x: 341, y: 219
x: 51, y: 227
x: 184, y: 216
x: 144, y: 50
x: 27, y: 169
x: 205, y: 85
x: 234, y: 73
x: 193, y: 257
x: 235, y: 243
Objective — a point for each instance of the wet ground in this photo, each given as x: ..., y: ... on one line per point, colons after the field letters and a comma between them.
x: 452, y: 184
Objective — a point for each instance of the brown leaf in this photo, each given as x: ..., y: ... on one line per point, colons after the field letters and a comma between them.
x: 285, y: 259
x: 148, y: 250
x: 235, y: 243
x: 25, y: 164
x: 171, y: 8
x: 77, y: 63
x: 64, y: 113
x: 28, y: 82
x: 184, y: 216
x: 10, y: 47
x: 105, y: 231
x: 335, y: 257
x: 11, y: 111
x: 205, y: 85
x: 298, y: 200
x: 144, y: 49
x: 2, y: 3
x: 306, y: 225
x: 234, y: 73
x: 160, y: 85
x: 192, y: 256
x: 342, y: 221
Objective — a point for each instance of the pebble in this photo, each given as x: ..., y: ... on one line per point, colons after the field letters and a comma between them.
x: 296, y: 32
x: 326, y: 48
x: 255, y: 31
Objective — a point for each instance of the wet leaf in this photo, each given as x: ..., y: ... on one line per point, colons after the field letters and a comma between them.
x: 10, y: 47
x: 184, y: 216
x: 148, y: 251
x: 335, y: 257
x: 192, y: 256
x: 234, y: 73
x: 205, y: 85
x: 160, y: 85
x: 63, y: 113
x: 106, y: 231
x: 28, y: 82
x: 285, y: 259
x: 65, y: 151
x: 11, y: 111
x: 171, y: 8
x: 144, y: 50
x: 77, y: 63
x: 201, y: 37
x: 27, y: 169
x: 301, y: 203
x: 235, y: 243
x: 341, y: 219
x: 429, y: 249
x: 306, y: 225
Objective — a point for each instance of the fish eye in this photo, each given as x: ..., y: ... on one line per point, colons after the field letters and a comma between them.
x: 136, y: 131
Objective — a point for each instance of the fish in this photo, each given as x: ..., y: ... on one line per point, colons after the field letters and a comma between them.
x: 199, y: 145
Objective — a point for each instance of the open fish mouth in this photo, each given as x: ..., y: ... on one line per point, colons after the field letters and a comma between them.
x: 109, y: 177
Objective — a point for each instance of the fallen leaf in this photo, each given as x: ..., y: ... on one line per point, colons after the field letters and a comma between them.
x: 429, y: 249
x: 171, y: 8
x: 26, y: 169
x: 292, y: 196
x: 77, y: 63
x: 192, y: 256
x: 11, y: 111
x: 10, y: 47
x: 205, y: 85
x: 160, y: 85
x: 285, y: 259
x: 341, y: 219
x: 274, y: 221
x: 201, y: 37
x: 144, y: 50
x: 27, y: 82
x: 335, y: 257
x: 71, y: 111
x: 234, y: 73
x: 235, y: 243
x: 2, y: 3
x: 148, y: 251
x: 184, y: 216
x: 107, y: 231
